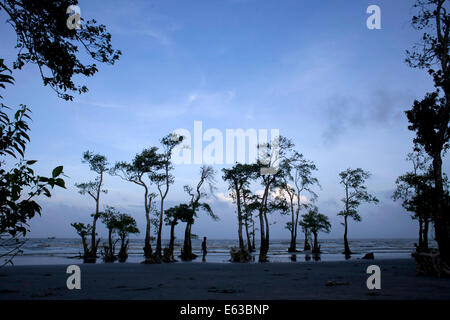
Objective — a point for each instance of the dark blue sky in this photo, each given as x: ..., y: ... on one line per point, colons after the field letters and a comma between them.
x: 311, y: 69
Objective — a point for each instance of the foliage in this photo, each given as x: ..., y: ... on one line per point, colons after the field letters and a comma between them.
x: 429, y: 118
x: 99, y: 164
x: 121, y: 224
x: 432, y: 52
x: 163, y: 179
x: 356, y: 192
x: 19, y: 185
x: 297, y: 179
x: 125, y: 225
x: 315, y: 221
x: 44, y: 39
x: 207, y: 174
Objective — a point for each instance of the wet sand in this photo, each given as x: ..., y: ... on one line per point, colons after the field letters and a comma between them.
x: 303, y: 280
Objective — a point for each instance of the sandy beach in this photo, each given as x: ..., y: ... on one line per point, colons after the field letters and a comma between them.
x: 306, y: 280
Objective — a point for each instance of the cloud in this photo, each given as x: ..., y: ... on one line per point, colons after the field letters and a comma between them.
x: 158, y: 35
x: 278, y: 192
x: 100, y: 104
x: 222, y: 197
x: 214, y: 104
x: 343, y: 113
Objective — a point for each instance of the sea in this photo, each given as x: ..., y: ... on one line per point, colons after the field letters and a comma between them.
x: 67, y: 250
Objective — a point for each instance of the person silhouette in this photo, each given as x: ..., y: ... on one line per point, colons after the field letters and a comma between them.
x: 204, y: 249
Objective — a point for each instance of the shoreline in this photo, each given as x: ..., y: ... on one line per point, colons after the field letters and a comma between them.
x: 201, y: 281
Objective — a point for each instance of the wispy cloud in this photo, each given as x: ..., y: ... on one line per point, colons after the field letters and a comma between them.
x: 204, y: 103
x: 100, y: 104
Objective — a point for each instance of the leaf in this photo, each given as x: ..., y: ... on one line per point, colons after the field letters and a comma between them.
x: 57, y: 171
x: 60, y: 183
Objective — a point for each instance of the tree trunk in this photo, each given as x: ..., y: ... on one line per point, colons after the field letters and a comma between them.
x: 172, y: 237
x: 267, y: 232
x: 158, y: 239
x: 161, y: 214
x: 253, y: 235
x: 441, y: 222
x: 420, y: 247
x: 239, y: 212
x: 85, y: 246
x: 187, y: 254
x: 346, y: 247
x: 111, y: 248
x: 123, y: 253
x: 262, y: 248
x: 315, y: 246
x: 306, y: 246
x: 425, y: 233
x: 147, y: 244
x: 249, y: 243
x: 93, y: 253
x: 293, y: 245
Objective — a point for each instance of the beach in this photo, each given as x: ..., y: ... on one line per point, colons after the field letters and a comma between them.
x: 202, y: 281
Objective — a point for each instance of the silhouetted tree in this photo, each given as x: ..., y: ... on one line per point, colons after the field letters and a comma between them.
x: 315, y: 222
x: 298, y: 179
x: 109, y: 218
x: 415, y: 189
x: 144, y: 164
x: 164, y: 179
x: 196, y: 194
x: 182, y: 212
x: 238, y: 178
x: 44, y: 39
x: 99, y: 164
x: 430, y: 117
x: 125, y: 226
x: 248, y: 219
x: 19, y: 185
x: 355, y: 194
x: 269, y: 174
x: 83, y: 231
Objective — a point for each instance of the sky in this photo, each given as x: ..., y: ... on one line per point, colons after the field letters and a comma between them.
x: 311, y: 69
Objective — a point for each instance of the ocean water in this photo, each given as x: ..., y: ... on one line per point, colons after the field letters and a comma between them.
x: 67, y: 251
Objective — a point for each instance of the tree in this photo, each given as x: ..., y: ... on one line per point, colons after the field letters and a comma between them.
x: 144, y: 164
x: 44, y: 39
x: 196, y: 194
x: 415, y: 189
x: 271, y: 155
x: 298, y: 178
x: 355, y: 194
x: 238, y: 178
x: 315, y: 222
x: 172, y: 216
x: 109, y: 218
x: 83, y: 231
x: 165, y: 179
x: 430, y: 117
x: 248, y: 219
x: 125, y: 226
x: 19, y: 185
x: 99, y: 164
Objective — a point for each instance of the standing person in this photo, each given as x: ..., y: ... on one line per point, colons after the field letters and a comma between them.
x: 204, y: 249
